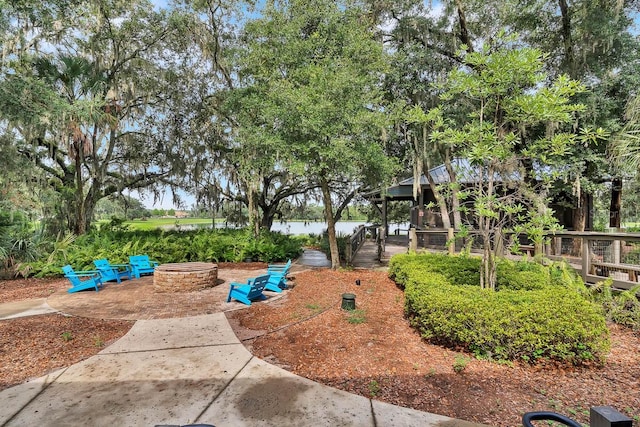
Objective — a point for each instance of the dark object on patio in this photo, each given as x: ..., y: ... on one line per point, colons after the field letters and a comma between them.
x: 607, y: 416
x: 551, y: 416
x: 348, y: 302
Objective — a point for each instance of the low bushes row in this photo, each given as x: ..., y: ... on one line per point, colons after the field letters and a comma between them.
x: 535, y: 312
x: 165, y: 246
x: 342, y: 240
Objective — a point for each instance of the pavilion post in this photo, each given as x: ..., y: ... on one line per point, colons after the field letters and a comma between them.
x: 420, y: 221
x: 413, y: 240
x: 384, y: 216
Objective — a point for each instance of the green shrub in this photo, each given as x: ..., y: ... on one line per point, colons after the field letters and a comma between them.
x: 343, y: 240
x: 462, y: 270
x: 530, y: 317
x: 521, y: 275
x: 167, y: 246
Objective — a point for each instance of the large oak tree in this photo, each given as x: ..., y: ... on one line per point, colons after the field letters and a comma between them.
x: 311, y: 76
x: 84, y: 97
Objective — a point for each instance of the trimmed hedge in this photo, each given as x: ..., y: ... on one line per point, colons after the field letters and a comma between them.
x: 529, y: 318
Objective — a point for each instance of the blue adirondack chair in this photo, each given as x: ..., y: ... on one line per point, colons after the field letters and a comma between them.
x: 140, y: 264
x: 252, y: 290
x: 278, y: 273
x: 91, y: 278
x: 110, y: 271
x: 279, y: 267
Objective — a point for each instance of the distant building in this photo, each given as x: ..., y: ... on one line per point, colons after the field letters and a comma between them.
x: 181, y: 214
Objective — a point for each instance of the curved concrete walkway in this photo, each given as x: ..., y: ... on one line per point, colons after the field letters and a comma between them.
x: 184, y: 370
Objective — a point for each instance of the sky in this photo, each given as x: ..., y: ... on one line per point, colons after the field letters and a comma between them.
x: 166, y: 200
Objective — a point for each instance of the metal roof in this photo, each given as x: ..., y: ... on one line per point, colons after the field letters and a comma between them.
x: 465, y: 174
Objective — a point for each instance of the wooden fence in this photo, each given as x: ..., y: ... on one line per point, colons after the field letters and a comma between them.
x: 599, y: 255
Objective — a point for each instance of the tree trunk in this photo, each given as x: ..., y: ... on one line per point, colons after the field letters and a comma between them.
x: 440, y: 199
x: 464, y: 31
x: 80, y: 217
x: 579, y: 222
x: 254, y: 224
x: 455, y: 202
x: 616, y: 203
x: 567, y: 39
x: 488, y: 273
x: 331, y: 224
x: 487, y: 228
x: 486, y: 256
x: 89, y: 206
x: 268, y: 214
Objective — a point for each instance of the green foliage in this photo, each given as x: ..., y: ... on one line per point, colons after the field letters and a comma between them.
x: 622, y: 307
x: 357, y: 316
x: 509, y: 100
x: 19, y: 241
x: 522, y: 320
x: 460, y: 363
x: 168, y: 246
x: 522, y: 275
x: 342, y: 240
x: 632, y: 256
x: 374, y: 388
x: 270, y: 246
x: 313, y: 69
x: 462, y: 270
x: 66, y: 336
x: 92, y: 105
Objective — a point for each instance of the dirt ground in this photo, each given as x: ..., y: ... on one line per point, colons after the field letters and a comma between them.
x: 371, y: 351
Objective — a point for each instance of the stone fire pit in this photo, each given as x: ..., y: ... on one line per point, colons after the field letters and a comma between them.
x: 185, y: 277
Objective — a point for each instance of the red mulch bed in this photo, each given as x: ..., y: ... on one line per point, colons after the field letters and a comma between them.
x: 381, y: 356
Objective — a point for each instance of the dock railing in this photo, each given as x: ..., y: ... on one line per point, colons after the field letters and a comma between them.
x: 356, y: 239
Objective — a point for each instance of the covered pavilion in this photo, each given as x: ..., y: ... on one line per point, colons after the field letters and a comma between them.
x: 422, y: 217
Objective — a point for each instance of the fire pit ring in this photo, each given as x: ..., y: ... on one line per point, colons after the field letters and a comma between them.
x: 185, y: 277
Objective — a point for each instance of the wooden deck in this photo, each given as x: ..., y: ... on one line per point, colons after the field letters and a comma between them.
x: 368, y: 253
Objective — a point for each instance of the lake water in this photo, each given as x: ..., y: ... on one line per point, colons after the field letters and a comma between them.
x: 342, y: 227
x: 301, y: 227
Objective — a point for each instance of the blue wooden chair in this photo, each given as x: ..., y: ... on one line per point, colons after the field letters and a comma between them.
x: 275, y: 284
x: 140, y: 264
x: 252, y: 290
x: 278, y: 273
x: 279, y: 267
x: 110, y: 272
x: 91, y: 280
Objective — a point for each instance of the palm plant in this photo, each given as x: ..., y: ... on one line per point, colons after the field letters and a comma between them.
x: 625, y: 146
x: 18, y: 241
